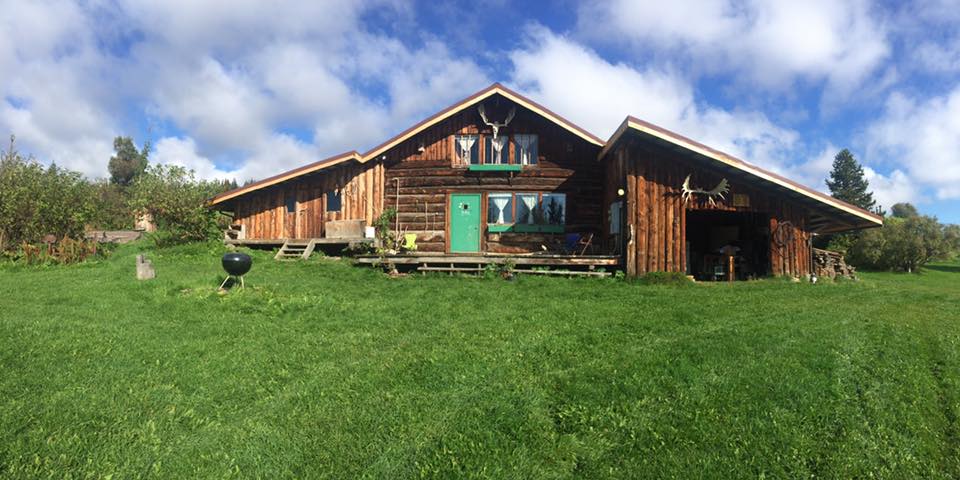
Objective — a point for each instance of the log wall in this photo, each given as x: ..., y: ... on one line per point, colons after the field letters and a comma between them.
x: 418, y: 182
x: 657, y: 216
x: 264, y: 213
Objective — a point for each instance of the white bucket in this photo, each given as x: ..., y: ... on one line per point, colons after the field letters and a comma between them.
x: 369, y: 232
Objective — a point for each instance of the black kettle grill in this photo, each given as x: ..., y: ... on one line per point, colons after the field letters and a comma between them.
x: 236, y: 265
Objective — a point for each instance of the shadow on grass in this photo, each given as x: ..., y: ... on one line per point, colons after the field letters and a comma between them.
x: 943, y: 268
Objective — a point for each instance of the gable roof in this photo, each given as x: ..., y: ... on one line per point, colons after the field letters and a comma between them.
x: 860, y: 217
x: 375, y: 152
x: 474, y: 99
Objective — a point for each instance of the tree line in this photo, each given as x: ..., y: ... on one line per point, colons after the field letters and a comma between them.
x: 907, y: 241
x: 40, y: 202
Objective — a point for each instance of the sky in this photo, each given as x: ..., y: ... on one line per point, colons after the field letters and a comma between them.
x: 245, y: 89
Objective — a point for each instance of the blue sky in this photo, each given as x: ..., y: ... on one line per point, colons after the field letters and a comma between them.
x: 244, y: 89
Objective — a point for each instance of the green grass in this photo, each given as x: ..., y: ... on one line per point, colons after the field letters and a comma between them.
x: 320, y: 369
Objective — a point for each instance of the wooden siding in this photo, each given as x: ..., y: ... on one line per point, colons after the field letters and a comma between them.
x: 418, y: 182
x: 264, y: 213
x: 656, y: 215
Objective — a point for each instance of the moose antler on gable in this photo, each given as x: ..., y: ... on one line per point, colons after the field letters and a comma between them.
x: 718, y: 191
x: 494, y: 125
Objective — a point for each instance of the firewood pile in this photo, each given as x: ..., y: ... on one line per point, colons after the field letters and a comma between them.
x: 831, y: 265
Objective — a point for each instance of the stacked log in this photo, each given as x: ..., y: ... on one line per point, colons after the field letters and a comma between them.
x: 828, y: 264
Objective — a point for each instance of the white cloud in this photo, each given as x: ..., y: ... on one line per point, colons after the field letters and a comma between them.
x: 46, y: 95
x: 277, y: 153
x: 921, y: 137
x: 597, y: 95
x: 772, y: 44
x: 939, y: 57
x: 232, y: 80
x: 182, y: 152
x: 893, y: 188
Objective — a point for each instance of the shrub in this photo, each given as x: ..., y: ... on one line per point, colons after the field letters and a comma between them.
x: 36, y: 201
x: 64, y: 252
x: 903, y: 244
x: 178, y: 203
x: 112, y: 207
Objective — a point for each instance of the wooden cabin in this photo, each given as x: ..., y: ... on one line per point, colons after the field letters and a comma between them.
x: 498, y: 174
x: 674, y: 205
x: 305, y: 202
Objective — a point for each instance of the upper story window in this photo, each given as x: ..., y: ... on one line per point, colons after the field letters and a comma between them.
x: 506, y: 152
x: 525, y: 149
x: 468, y: 149
x: 496, y: 151
x: 291, y: 202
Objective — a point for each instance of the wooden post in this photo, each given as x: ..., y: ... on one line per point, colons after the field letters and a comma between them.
x: 629, y: 167
x: 730, y: 272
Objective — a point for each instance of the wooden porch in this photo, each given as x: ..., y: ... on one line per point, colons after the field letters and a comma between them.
x: 531, y: 264
x: 278, y: 242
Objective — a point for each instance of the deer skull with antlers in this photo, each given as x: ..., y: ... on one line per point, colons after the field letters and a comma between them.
x: 494, y: 125
x: 718, y: 191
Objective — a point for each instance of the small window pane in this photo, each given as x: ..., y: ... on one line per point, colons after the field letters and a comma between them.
x: 333, y: 200
x: 291, y: 204
x: 527, y: 208
x: 525, y: 149
x: 554, y: 208
x: 468, y: 149
x: 492, y: 153
x: 500, y: 208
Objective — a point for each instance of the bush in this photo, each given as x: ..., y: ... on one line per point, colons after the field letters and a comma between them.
x: 36, y: 201
x: 903, y: 244
x: 112, y: 210
x: 178, y: 203
x: 64, y: 252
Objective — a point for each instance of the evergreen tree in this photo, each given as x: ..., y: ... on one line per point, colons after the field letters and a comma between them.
x: 847, y: 182
x: 127, y: 162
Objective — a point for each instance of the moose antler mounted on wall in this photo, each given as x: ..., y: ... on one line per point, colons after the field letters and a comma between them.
x: 718, y: 191
x: 494, y: 125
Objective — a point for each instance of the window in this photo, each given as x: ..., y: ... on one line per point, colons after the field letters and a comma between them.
x: 616, y: 217
x: 468, y: 149
x: 333, y: 200
x: 527, y: 208
x: 500, y: 208
x: 496, y: 151
x: 526, y: 212
x: 554, y: 208
x: 525, y: 149
x: 291, y: 204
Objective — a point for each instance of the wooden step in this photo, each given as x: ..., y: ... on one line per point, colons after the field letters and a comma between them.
x: 293, y: 249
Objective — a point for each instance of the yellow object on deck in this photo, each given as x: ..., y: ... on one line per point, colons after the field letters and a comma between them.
x: 410, y: 241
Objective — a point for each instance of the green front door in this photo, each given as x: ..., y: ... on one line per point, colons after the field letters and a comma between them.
x: 465, y: 222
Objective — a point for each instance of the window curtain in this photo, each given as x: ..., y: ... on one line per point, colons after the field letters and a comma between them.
x: 530, y: 202
x: 501, y: 204
x: 466, y: 144
x: 497, y: 144
x: 525, y: 142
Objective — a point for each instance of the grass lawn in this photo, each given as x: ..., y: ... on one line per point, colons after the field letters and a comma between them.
x: 320, y: 369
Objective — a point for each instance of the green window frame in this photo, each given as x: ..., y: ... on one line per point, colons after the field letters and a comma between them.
x: 540, y: 217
